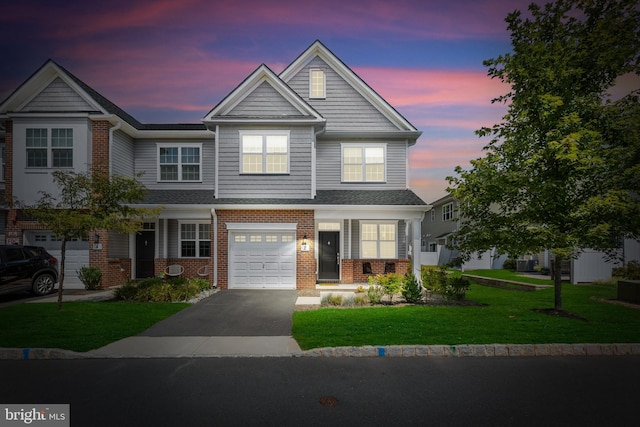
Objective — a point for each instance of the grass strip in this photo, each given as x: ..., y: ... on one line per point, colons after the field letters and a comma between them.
x: 507, y: 318
x: 79, y: 326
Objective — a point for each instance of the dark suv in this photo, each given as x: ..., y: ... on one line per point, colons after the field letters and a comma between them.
x: 27, y: 267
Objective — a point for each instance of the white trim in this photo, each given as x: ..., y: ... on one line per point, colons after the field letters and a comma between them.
x: 179, y: 146
x: 261, y: 226
x: 449, y: 212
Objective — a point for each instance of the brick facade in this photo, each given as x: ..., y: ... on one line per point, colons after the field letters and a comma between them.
x: 305, y: 261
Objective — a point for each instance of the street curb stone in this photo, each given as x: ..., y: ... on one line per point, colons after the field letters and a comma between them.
x: 395, y: 351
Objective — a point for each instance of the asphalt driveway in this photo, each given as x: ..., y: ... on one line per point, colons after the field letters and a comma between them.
x: 230, y: 313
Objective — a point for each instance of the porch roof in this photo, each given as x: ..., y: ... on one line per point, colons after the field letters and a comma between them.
x: 323, y: 197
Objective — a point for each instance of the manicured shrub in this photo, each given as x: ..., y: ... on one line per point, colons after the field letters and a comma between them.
x: 375, y: 294
x: 391, y: 283
x: 412, y: 291
x: 455, y: 288
x: 158, y: 290
x: 433, y: 278
x: 630, y: 272
x: 91, y: 277
x: 510, y: 264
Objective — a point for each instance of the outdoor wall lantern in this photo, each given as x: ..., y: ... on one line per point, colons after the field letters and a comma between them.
x: 305, y: 246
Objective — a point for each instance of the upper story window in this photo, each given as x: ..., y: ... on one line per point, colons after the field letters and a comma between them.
x: 178, y: 163
x: 447, y: 212
x: 433, y: 215
x: 378, y: 240
x: 264, y: 152
x: 49, y: 149
x: 317, y: 86
x: 363, y: 163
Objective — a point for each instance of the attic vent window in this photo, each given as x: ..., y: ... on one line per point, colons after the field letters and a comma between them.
x: 317, y: 86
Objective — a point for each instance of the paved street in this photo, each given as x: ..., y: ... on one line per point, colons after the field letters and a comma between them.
x: 497, y: 391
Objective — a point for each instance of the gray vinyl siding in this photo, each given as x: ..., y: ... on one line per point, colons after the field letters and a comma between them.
x: 432, y: 230
x: 344, y: 108
x: 122, y: 152
x: 264, y: 101
x: 118, y: 245
x: 233, y: 184
x: 146, y: 161
x: 329, y: 167
x: 58, y: 96
x: 172, y: 238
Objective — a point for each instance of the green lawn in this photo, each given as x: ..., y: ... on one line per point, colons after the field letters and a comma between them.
x: 79, y: 326
x: 509, y: 275
x: 508, y: 318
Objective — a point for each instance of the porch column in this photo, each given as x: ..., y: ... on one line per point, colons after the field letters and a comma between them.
x: 416, y: 241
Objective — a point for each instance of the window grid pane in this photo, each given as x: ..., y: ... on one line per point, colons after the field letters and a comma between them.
x: 190, y: 155
x: 204, y: 232
x: 369, y: 232
x: 188, y: 249
x: 169, y: 155
x: 204, y: 249
x: 62, y: 158
x: 188, y: 231
x: 352, y: 173
x: 369, y: 250
x: 169, y: 172
x: 276, y: 163
x: 252, y: 163
x: 62, y: 138
x: 190, y: 172
x: 317, y: 84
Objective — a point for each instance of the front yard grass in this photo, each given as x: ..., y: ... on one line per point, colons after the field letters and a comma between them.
x: 79, y: 326
x: 507, y: 318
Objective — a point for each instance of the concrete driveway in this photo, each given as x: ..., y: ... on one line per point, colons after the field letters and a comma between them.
x: 232, y: 313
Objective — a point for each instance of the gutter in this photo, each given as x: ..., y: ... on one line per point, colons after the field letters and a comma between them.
x: 215, y: 247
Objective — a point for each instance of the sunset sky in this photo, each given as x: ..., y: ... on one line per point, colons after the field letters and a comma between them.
x: 168, y: 61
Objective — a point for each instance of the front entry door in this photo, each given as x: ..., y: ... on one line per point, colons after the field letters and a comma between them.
x: 145, y: 253
x: 329, y: 255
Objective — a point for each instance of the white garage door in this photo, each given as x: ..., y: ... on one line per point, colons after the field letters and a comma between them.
x: 262, y: 259
x: 77, y: 255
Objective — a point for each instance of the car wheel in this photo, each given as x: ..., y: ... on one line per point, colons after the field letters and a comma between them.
x: 44, y: 284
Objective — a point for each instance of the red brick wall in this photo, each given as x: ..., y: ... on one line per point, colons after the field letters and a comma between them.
x: 305, y: 261
x: 377, y: 267
x: 100, y: 145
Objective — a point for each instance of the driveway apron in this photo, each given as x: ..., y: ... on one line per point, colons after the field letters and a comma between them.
x: 230, y: 313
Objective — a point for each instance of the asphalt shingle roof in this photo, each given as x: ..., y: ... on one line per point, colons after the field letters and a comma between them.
x: 324, y: 197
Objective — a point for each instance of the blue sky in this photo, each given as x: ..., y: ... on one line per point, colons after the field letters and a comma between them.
x: 165, y: 61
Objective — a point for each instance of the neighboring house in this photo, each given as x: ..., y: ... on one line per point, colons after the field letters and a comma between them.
x: 443, y: 220
x: 292, y: 179
x: 438, y: 227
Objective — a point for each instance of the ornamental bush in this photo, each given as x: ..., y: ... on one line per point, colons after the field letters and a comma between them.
x: 91, y: 277
x: 412, y: 291
x: 158, y: 290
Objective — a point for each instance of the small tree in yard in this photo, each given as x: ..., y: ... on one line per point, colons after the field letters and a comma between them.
x: 562, y: 169
x: 88, y: 201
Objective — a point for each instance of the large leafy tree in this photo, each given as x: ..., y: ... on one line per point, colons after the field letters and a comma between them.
x: 88, y: 201
x: 561, y: 170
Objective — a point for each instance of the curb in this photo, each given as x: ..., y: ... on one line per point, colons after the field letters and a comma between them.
x: 462, y: 350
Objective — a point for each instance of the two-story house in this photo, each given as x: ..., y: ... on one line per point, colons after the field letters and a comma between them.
x: 292, y: 179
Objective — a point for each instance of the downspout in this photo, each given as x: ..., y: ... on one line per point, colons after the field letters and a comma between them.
x: 111, y: 132
x: 215, y: 247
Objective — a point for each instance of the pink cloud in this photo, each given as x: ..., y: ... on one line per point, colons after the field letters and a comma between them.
x: 408, y: 87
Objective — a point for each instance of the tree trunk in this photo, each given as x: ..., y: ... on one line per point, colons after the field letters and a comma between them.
x: 557, y: 283
x: 63, y: 253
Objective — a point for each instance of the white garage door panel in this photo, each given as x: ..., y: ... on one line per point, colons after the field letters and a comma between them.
x: 77, y: 254
x: 260, y: 259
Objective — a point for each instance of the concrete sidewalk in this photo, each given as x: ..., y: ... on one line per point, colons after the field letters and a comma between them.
x: 171, y: 347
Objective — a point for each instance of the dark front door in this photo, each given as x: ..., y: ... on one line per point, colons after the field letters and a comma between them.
x: 145, y: 253
x: 329, y: 255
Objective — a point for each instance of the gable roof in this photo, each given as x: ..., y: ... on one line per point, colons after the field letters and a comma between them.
x: 317, y: 49
x: 50, y: 71
x: 221, y: 112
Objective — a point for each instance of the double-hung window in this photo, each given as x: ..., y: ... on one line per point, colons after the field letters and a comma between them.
x: 178, y: 163
x: 363, y: 163
x: 378, y: 240
x: 264, y: 152
x: 195, y: 240
x: 317, y: 86
x: 49, y: 147
x: 447, y: 212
